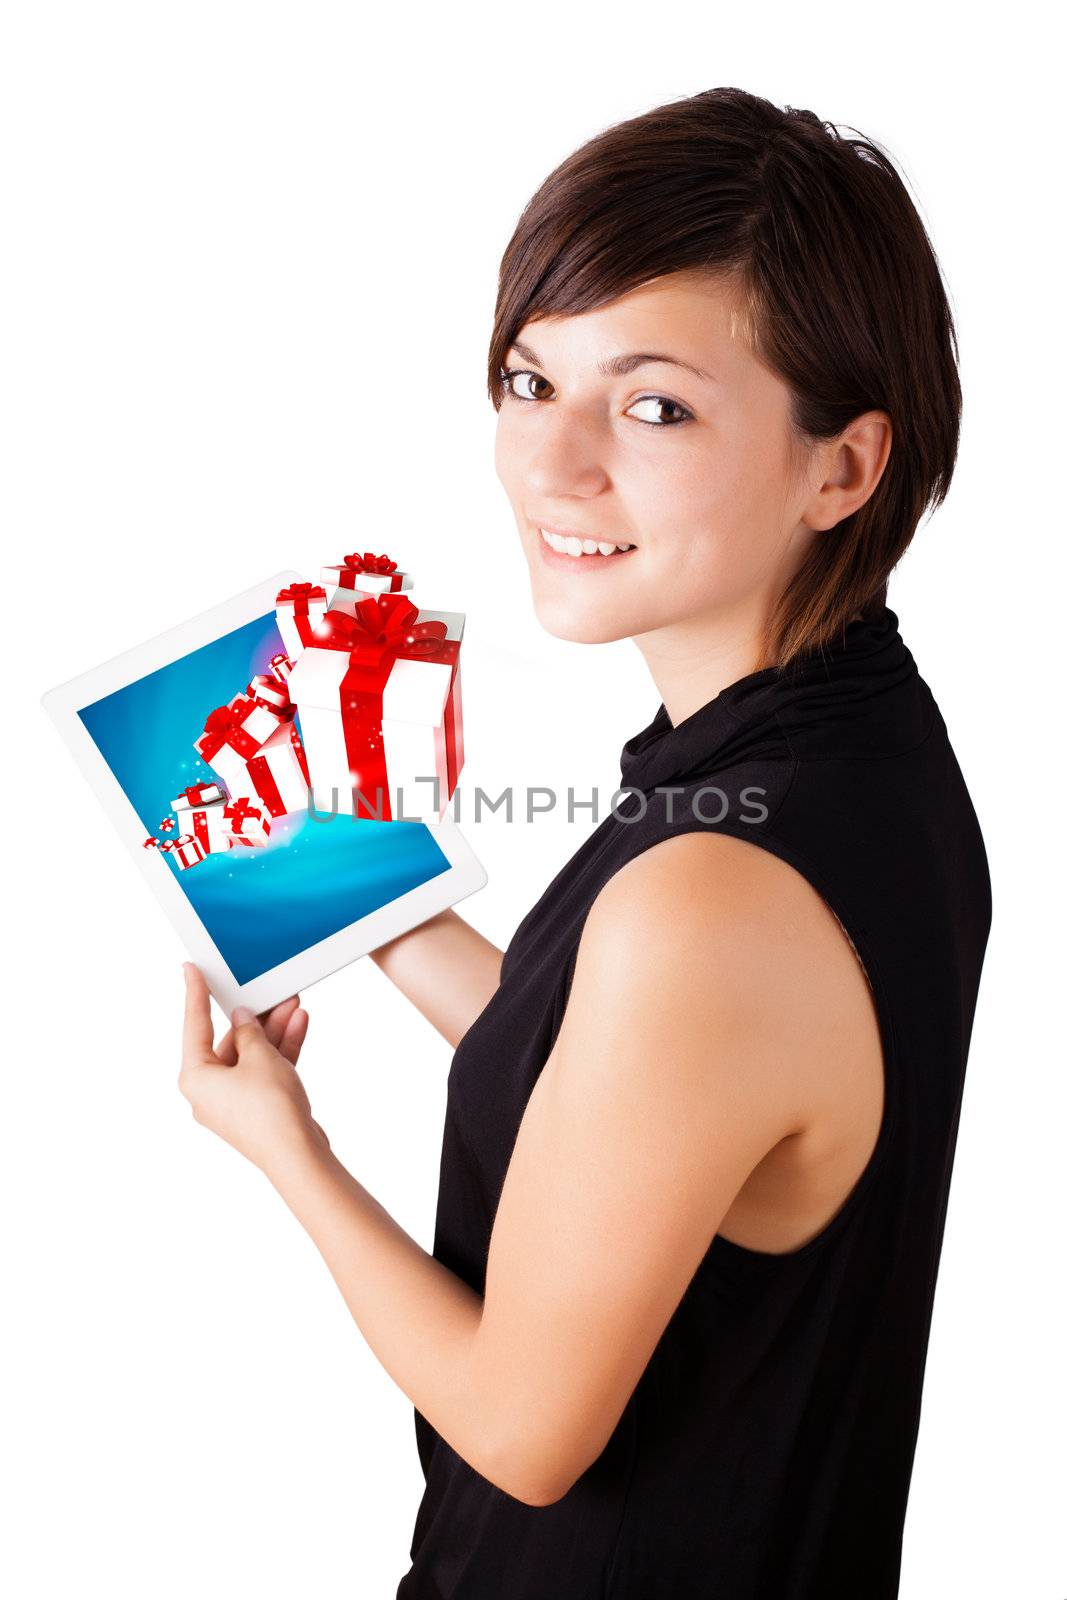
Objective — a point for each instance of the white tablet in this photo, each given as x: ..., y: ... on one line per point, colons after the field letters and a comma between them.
x: 261, y: 923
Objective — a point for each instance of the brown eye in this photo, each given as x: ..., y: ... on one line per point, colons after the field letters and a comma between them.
x: 509, y: 377
x: 681, y: 413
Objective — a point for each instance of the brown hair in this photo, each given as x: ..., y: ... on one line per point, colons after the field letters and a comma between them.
x: 843, y: 294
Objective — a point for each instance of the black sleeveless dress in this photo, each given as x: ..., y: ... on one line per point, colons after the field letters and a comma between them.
x: 766, y: 1452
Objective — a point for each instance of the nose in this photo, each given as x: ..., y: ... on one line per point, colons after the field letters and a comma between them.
x: 565, y: 458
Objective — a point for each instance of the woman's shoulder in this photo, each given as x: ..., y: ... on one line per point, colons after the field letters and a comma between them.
x: 726, y: 931
x: 719, y: 885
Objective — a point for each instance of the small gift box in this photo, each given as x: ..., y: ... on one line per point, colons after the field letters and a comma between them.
x: 248, y: 825
x: 254, y: 748
x: 379, y: 699
x: 271, y: 690
x: 199, y: 811
x: 360, y: 575
x: 299, y: 609
x: 280, y: 667
x: 186, y: 851
x: 280, y: 774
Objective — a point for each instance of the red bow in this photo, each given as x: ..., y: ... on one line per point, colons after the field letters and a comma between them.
x: 368, y: 563
x: 239, y: 813
x: 301, y: 591
x: 195, y: 793
x: 226, y: 718
x: 381, y: 623
x: 224, y: 726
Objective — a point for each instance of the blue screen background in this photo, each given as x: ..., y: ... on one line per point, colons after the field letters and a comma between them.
x: 312, y: 878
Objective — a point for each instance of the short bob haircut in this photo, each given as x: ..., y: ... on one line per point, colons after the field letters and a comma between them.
x: 842, y: 291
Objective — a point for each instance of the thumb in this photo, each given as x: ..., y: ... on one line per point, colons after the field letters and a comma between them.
x: 247, y: 1028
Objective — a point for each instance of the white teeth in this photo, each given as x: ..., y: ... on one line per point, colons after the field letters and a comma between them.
x: 573, y: 546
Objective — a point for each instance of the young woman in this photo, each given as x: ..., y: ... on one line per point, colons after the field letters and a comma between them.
x: 702, y: 1113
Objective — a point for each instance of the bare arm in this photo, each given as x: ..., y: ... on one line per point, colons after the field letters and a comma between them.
x: 695, y: 1038
x: 446, y: 969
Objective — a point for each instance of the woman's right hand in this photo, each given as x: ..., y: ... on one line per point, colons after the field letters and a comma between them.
x: 285, y: 1038
x: 275, y: 1023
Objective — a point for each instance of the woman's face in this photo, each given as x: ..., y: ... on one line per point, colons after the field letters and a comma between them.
x: 695, y: 470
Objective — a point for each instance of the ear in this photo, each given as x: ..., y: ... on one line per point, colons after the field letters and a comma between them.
x: 851, y: 469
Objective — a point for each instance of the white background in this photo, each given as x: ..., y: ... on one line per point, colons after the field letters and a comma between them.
x: 248, y: 269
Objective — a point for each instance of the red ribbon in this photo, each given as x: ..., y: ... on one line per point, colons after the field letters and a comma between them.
x: 368, y: 563
x: 200, y: 833
x: 266, y: 785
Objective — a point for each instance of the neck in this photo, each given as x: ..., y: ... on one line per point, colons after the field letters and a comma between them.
x: 691, y: 661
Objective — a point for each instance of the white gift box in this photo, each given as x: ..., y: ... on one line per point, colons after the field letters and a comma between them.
x: 249, y: 825
x: 347, y: 584
x: 299, y: 609
x: 186, y: 851
x: 201, y: 794
x: 420, y: 736
x: 273, y: 777
x: 199, y: 812
x: 277, y: 778
x: 256, y: 751
x: 271, y: 690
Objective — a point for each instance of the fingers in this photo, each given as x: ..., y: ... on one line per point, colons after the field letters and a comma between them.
x: 197, y: 1032
x: 293, y: 1037
x: 226, y: 1050
x: 274, y: 1022
x: 246, y: 1027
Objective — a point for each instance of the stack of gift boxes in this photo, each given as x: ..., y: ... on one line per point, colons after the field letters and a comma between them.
x: 375, y: 683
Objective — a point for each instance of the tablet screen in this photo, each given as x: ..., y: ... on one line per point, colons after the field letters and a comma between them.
x: 315, y: 876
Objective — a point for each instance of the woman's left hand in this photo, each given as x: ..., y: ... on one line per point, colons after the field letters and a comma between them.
x: 247, y: 1090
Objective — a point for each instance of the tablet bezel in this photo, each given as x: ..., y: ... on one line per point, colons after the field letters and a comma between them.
x: 63, y: 703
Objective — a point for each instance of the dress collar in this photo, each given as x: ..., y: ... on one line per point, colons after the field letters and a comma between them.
x: 860, y: 695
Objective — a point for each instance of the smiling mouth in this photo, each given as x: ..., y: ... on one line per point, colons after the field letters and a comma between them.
x: 577, y: 549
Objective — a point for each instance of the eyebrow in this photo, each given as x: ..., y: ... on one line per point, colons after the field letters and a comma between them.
x: 619, y: 366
